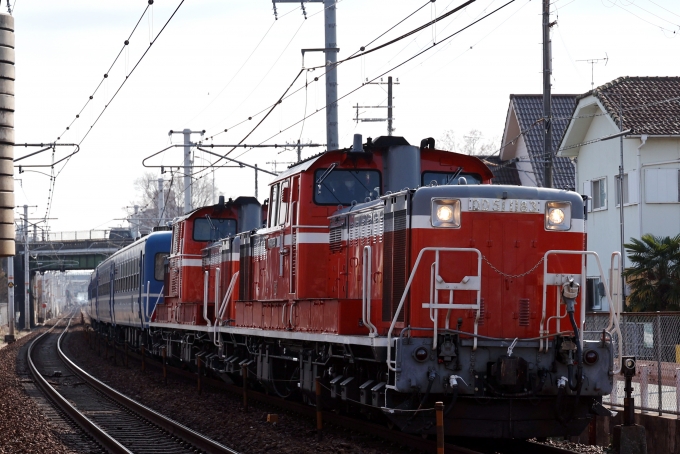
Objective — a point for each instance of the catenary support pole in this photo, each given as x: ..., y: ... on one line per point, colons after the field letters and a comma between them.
x: 389, y: 106
x: 547, y: 118
x: 27, y: 275
x: 161, y: 201
x: 332, y: 140
x: 187, y: 170
x: 9, y: 338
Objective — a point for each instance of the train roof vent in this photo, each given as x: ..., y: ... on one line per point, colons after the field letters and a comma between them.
x: 162, y: 228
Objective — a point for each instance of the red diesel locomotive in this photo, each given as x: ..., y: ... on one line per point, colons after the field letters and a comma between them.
x: 399, y: 276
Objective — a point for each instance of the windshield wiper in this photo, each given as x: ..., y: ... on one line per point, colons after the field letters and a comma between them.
x: 324, y: 175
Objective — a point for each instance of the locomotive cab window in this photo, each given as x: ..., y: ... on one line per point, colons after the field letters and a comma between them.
x: 450, y: 178
x: 273, y: 205
x: 159, y: 265
x: 213, y: 229
x: 342, y: 187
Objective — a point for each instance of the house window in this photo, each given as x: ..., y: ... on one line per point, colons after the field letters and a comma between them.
x: 595, y: 293
x: 600, y: 194
x: 662, y: 185
x: 626, y: 199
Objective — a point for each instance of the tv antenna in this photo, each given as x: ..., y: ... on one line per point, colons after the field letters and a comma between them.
x: 593, y: 62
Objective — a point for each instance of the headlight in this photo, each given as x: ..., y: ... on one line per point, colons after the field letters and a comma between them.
x: 557, y: 215
x: 445, y: 213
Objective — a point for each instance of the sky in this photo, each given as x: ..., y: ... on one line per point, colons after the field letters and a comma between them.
x: 218, y: 63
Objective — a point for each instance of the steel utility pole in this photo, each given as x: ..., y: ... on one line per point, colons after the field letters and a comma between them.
x: 187, y: 165
x: 161, y: 201
x: 547, y: 118
x: 27, y: 275
x: 9, y: 338
x: 389, y: 106
x: 331, y: 58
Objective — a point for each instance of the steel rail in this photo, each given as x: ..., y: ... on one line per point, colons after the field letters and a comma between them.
x: 107, y: 442
x: 173, y: 427
x: 363, y: 426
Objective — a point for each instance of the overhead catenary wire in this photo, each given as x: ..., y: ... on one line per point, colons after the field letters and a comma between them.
x: 281, y: 98
x: 352, y: 56
x: 150, y: 2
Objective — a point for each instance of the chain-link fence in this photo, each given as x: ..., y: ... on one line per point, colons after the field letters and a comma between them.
x: 654, y: 339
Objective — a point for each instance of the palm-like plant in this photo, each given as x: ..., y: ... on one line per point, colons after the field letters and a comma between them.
x: 654, y: 276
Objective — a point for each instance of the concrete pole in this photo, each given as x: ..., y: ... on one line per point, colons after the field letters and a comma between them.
x: 10, y: 299
x: 187, y: 170
x: 547, y: 119
x: 332, y: 141
x: 161, y: 201
x: 7, y: 108
x: 389, y: 106
x: 27, y: 275
x: 135, y: 218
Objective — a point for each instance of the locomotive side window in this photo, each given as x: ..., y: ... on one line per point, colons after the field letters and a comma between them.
x: 284, y: 199
x: 447, y: 178
x: 273, y: 205
x: 342, y: 187
x: 158, y: 265
x: 213, y: 229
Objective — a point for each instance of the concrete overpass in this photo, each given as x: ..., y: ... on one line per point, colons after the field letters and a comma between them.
x: 61, y: 251
x: 66, y: 251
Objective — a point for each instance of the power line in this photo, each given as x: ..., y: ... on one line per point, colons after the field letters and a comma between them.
x: 150, y: 2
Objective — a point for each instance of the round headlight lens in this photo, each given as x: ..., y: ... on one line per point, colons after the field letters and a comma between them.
x: 421, y: 354
x: 556, y: 216
x: 590, y: 357
x: 445, y: 213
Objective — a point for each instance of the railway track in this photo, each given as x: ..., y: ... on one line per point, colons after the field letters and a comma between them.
x: 117, y: 423
x: 428, y: 445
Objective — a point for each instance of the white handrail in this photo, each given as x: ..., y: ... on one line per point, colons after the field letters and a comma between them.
x: 615, y: 283
x: 367, y: 273
x: 205, y: 297
x: 158, y: 298
x: 223, y: 307
x: 543, y: 346
x: 408, y: 287
x: 227, y: 296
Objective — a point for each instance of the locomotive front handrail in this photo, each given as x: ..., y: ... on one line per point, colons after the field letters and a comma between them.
x: 367, y: 274
x: 408, y: 288
x: 615, y: 284
x: 612, y: 310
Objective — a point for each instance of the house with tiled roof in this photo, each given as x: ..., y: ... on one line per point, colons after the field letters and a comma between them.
x: 503, y: 172
x: 523, y: 139
x: 647, y: 111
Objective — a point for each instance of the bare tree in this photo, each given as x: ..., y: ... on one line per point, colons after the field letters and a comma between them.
x: 202, y: 193
x: 473, y: 143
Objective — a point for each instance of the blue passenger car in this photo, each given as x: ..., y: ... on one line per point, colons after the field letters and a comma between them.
x: 125, y: 287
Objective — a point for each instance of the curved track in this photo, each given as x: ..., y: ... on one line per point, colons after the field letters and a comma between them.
x: 118, y: 423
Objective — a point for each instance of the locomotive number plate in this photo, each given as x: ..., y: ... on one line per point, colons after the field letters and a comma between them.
x: 505, y: 205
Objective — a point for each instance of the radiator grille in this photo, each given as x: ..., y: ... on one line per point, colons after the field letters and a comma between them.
x: 482, y: 312
x: 524, y: 312
x: 336, y: 239
x: 395, y: 265
x: 244, y: 277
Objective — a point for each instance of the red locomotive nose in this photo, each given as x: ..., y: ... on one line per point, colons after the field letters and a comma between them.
x: 590, y: 357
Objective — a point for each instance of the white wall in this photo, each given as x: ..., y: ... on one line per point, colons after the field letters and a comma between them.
x: 602, y: 159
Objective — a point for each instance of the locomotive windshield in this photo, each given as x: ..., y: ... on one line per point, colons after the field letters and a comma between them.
x: 446, y: 178
x: 342, y: 187
x: 213, y: 229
